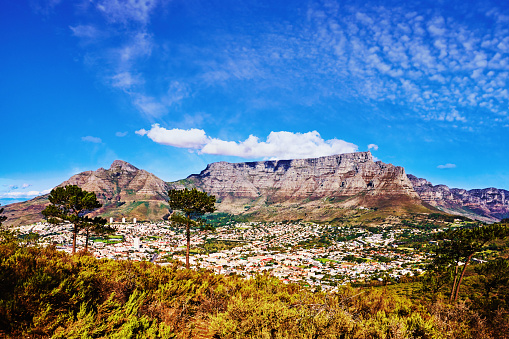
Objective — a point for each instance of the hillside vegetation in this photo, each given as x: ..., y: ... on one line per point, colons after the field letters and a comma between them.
x: 46, y: 293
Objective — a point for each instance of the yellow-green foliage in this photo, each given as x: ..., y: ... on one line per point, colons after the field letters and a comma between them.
x: 49, y: 294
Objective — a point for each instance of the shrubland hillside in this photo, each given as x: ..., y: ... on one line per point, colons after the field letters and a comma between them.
x: 45, y: 293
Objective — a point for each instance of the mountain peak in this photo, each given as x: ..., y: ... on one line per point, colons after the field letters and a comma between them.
x: 123, y: 166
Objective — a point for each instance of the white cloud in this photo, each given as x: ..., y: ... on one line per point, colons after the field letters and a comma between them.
x: 414, y: 50
x: 92, y: 139
x: 446, y: 166
x: 279, y: 145
x: 191, y: 138
x: 373, y: 147
x: 121, y: 134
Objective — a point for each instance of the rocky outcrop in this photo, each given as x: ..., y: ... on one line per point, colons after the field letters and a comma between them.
x: 121, y: 182
x: 310, y: 189
x: 489, y: 204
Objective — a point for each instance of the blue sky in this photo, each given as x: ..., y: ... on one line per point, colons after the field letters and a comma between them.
x: 171, y: 85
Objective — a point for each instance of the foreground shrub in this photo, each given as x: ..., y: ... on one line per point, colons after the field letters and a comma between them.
x: 45, y: 293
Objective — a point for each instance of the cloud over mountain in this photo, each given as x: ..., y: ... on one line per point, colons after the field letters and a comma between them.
x: 278, y: 145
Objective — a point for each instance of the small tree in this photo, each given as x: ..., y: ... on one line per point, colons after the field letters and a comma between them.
x: 71, y: 203
x: 5, y: 235
x: 2, y: 217
x: 193, y: 204
x: 459, y: 246
x: 493, y: 275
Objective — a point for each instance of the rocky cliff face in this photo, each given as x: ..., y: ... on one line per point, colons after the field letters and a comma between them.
x: 123, y: 190
x: 489, y: 204
x: 342, y: 175
x: 352, y: 178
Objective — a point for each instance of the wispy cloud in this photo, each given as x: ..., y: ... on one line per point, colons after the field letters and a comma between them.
x: 17, y: 186
x: 278, y: 145
x: 127, y: 10
x: 121, y: 134
x: 123, y: 46
x: 23, y: 194
x: 373, y: 147
x: 446, y: 166
x: 428, y: 61
x: 85, y: 31
x: 91, y: 139
x: 436, y: 65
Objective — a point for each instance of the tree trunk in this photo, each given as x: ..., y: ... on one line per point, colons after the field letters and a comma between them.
x: 461, y: 276
x: 74, y: 233
x: 86, y: 240
x: 188, y: 238
x: 453, y: 289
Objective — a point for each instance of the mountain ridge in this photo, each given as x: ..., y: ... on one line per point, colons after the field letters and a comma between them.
x: 488, y: 204
x: 321, y: 188
x: 123, y: 190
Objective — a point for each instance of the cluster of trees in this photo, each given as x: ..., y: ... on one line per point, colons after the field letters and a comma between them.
x: 72, y: 204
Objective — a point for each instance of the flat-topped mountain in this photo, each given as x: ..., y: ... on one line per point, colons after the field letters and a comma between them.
x: 319, y: 188
x: 338, y: 176
x: 489, y: 204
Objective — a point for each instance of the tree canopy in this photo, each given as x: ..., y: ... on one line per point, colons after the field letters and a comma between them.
x: 72, y: 204
x: 193, y: 204
x: 456, y: 248
x: 4, y: 233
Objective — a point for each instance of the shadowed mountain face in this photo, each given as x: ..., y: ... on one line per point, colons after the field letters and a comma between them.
x: 123, y: 190
x: 489, y: 204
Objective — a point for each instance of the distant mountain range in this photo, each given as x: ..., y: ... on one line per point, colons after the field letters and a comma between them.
x: 322, y: 188
x: 489, y: 204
